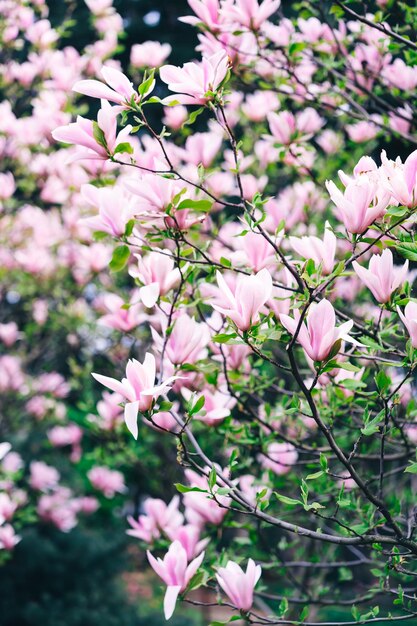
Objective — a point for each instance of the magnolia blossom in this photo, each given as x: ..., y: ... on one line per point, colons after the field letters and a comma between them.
x: 189, y: 537
x: 200, y: 507
x: 217, y: 405
x: 279, y: 457
x: 8, y: 537
x: 115, y: 209
x: 362, y: 202
x: 206, y: 11
x: 382, y: 278
x: 243, y: 306
x: 175, y: 572
x: 118, y: 89
x: 109, y: 482
x: 239, y: 585
x: 322, y: 251
x: 121, y: 315
x: 138, y: 388
x: 149, y: 54
x: 7, y: 507
x: 409, y: 319
x: 158, y: 517
x: 187, y: 341
x: 319, y: 335
x: 401, y: 179
x: 192, y: 81
x: 81, y: 133
x: 250, y: 13
x: 42, y: 476
x: 159, y: 275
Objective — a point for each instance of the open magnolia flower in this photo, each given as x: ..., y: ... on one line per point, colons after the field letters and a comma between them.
x: 382, y: 278
x: 192, y: 81
x: 138, y: 388
x: 319, y: 336
x: 176, y: 573
x: 118, y: 87
x: 239, y: 585
x: 243, y: 306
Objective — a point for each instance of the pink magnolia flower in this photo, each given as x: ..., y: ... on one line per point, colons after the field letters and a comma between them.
x: 11, y: 463
x: 138, y: 388
x: 401, y: 179
x: 159, y: 275
x: 320, y: 334
x: 158, y: 517
x: 42, y: 476
x: 174, y: 117
x: 156, y: 193
x: 118, y: 89
x: 382, y: 278
x: 149, y: 54
x: 70, y: 435
x: 187, y: 341
x: 250, y: 13
x: 244, y: 304
x: 81, y: 133
x: 59, y: 508
x: 362, y: 202
x: 217, y: 405
x: 189, y: 537
x: 7, y: 185
x: 362, y: 131
x: 207, y: 12
x: 279, y: 457
x: 201, y: 508
x: 322, y: 251
x: 409, y: 319
x: 9, y: 333
x: 119, y: 316
x: 175, y: 572
x: 115, y: 209
x: 192, y: 81
x: 7, y: 507
x: 239, y: 585
x: 8, y: 537
x: 401, y: 75
x: 109, y: 482
x: 109, y: 410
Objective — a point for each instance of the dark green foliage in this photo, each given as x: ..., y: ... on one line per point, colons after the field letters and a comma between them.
x: 67, y: 579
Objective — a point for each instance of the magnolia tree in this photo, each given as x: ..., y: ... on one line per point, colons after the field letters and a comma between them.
x: 252, y: 259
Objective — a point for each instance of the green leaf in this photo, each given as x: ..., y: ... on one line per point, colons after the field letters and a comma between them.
x: 184, y: 489
x: 119, y: 259
x: 124, y: 147
x: 223, y: 337
x: 283, y: 607
x: 147, y: 85
x: 99, y: 136
x: 411, y: 469
x: 192, y: 117
x: 165, y: 405
x: 407, y: 250
x: 225, y: 262
x: 382, y: 381
x: 202, y: 206
x: 129, y: 228
x: 372, y: 426
x: 315, y: 475
x: 212, y: 479
x: 286, y: 499
x: 197, y: 406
